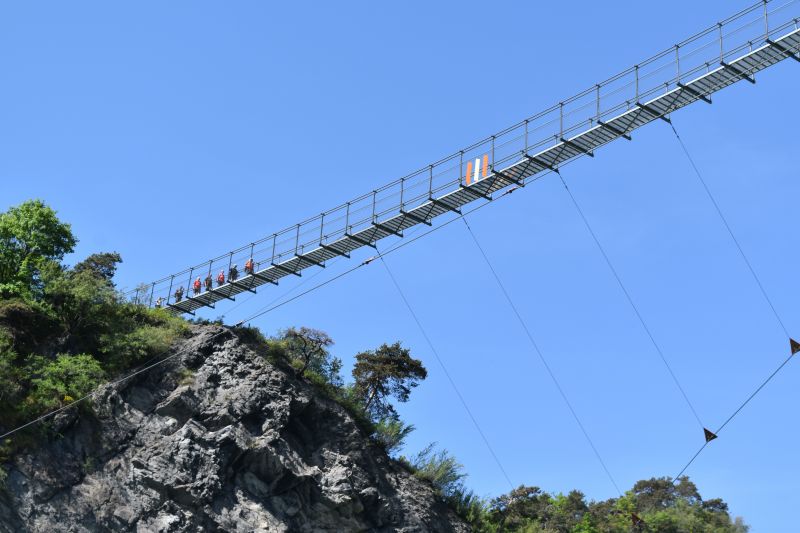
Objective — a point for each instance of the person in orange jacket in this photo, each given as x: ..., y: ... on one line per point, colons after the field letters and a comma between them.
x: 196, y: 286
x: 221, y: 278
x: 248, y: 266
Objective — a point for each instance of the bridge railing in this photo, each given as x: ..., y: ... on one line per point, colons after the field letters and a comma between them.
x: 706, y: 50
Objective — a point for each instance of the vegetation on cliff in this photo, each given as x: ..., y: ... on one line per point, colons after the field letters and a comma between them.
x: 64, y: 330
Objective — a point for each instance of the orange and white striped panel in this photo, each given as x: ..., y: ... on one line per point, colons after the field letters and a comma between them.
x: 477, y: 170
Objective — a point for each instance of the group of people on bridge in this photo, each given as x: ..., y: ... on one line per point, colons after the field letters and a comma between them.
x: 208, y: 283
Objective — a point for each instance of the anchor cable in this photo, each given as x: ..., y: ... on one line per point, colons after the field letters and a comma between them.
x: 730, y: 230
x: 538, y: 351
x: 444, y: 369
x: 631, y: 302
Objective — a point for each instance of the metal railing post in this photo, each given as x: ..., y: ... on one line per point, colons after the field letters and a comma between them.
x: 402, y: 190
x: 188, y: 287
x: 492, y: 153
x: 461, y: 168
x: 597, y: 92
x: 169, y: 291
x: 374, y: 201
x: 636, y: 74
x: 152, y: 290
x: 274, y: 242
x: 430, y: 181
x: 526, y: 136
x: 678, y: 61
x: 321, y: 226
x: 766, y: 20
x: 297, y: 240
x: 561, y: 120
x: 721, y: 47
x: 347, y: 220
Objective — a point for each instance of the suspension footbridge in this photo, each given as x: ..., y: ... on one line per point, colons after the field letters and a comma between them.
x: 733, y: 50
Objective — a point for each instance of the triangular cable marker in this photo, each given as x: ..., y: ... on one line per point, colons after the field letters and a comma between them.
x: 709, y: 435
x: 794, y: 345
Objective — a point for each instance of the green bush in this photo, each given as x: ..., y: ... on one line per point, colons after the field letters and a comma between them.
x: 440, y: 469
x: 62, y: 381
x: 12, y: 381
x: 391, y: 433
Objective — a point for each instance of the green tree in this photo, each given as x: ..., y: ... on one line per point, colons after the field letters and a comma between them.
x: 102, y: 265
x: 309, y: 347
x: 85, y: 304
x: 31, y: 236
x: 389, y: 371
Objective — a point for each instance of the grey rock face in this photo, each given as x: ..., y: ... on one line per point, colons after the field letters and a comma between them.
x: 234, y: 443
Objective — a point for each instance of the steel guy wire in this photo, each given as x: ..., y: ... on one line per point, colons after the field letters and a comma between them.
x: 446, y: 372
x: 735, y: 413
x: 730, y: 231
x: 538, y: 351
x: 630, y: 301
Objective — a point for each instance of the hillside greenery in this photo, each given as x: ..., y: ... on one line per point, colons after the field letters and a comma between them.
x: 64, y: 330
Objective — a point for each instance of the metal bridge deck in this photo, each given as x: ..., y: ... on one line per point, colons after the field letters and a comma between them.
x: 525, y: 167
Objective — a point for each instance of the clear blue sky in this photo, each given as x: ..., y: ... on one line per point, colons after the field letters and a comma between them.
x: 172, y: 132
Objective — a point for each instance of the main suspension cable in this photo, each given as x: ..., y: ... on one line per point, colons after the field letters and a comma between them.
x: 631, y: 302
x: 538, y: 351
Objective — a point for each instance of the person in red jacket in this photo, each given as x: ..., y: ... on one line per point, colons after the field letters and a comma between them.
x: 196, y: 286
x: 248, y: 266
x: 221, y: 278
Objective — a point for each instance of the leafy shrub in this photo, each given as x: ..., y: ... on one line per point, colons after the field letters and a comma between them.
x: 440, y: 469
x: 67, y: 375
x: 391, y: 433
x: 472, y: 508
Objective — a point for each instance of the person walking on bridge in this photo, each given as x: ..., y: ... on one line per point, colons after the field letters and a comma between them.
x: 233, y: 273
x: 248, y: 267
x: 221, y: 278
x: 196, y: 286
x: 179, y: 294
x: 159, y: 302
x: 209, y: 282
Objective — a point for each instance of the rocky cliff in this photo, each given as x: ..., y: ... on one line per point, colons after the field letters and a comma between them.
x: 218, y: 438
